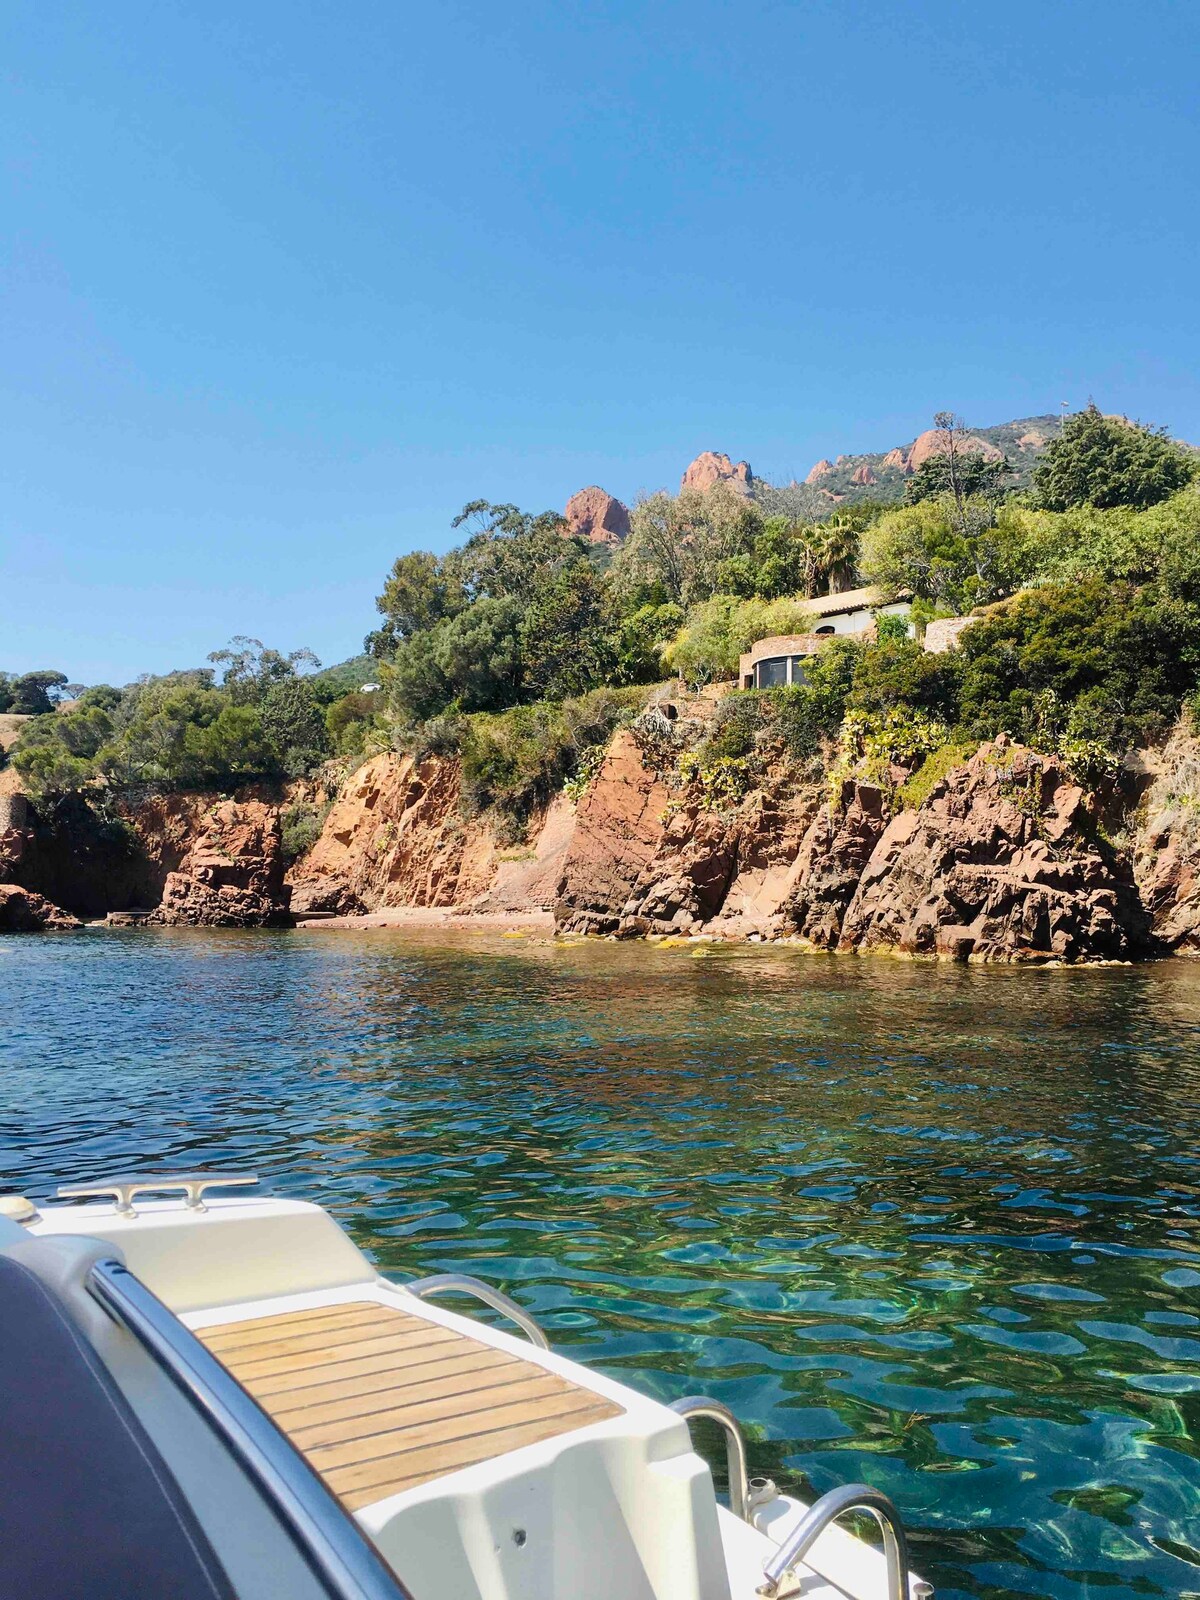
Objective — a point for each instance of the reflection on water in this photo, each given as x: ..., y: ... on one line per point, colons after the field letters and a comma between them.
x: 932, y: 1228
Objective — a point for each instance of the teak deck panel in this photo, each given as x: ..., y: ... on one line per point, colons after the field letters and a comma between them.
x: 380, y: 1401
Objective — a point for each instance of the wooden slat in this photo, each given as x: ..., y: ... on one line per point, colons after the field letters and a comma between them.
x: 320, y: 1374
x: 245, y: 1336
x: 516, y: 1390
x: 317, y: 1339
x: 354, y: 1397
x: 348, y: 1349
x: 379, y: 1400
x: 362, y: 1487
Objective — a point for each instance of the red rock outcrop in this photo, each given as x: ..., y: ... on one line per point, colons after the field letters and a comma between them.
x: 936, y: 442
x: 711, y: 467
x: 1167, y: 847
x: 819, y: 470
x: 863, y: 475
x: 618, y: 829
x: 232, y: 874
x: 597, y: 516
x: 833, y: 854
x: 395, y: 837
x: 896, y: 458
x: 23, y: 911
x: 1000, y: 863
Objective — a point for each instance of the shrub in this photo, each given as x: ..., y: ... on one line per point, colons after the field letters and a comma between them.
x: 1109, y: 461
x: 514, y: 761
x: 899, y: 672
x: 300, y: 826
x: 721, y: 782
x: 956, y: 558
x: 1123, y: 658
x: 916, y: 790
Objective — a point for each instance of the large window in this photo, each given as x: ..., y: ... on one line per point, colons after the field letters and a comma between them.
x: 772, y: 673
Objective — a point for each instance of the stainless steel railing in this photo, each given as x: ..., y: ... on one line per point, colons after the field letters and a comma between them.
x: 461, y: 1283
x: 337, y: 1552
x: 828, y: 1509
x: 695, y: 1405
x: 123, y: 1189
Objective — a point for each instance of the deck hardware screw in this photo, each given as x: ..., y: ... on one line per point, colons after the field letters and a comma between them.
x: 519, y: 1537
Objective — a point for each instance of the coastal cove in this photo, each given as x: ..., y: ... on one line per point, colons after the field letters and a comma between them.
x: 931, y: 1226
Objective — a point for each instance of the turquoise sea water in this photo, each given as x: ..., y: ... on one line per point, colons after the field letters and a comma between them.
x: 938, y: 1229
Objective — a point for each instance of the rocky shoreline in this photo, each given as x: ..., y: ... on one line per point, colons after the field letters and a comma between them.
x: 1005, y: 859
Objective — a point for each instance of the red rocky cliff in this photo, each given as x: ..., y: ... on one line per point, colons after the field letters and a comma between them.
x: 232, y: 874
x: 711, y: 467
x: 597, y: 516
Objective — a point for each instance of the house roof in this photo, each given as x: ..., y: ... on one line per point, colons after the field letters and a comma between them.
x: 832, y: 605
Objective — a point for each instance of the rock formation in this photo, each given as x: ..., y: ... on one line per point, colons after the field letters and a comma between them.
x: 597, y: 516
x: 232, y: 875
x: 1000, y: 863
x: 863, y: 475
x: 395, y: 837
x: 618, y: 828
x: 711, y: 467
x: 1167, y: 847
x: 819, y: 470
x: 936, y: 442
x: 833, y: 855
x: 23, y: 911
x: 896, y: 458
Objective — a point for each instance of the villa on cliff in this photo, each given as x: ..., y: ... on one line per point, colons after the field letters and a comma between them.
x: 771, y: 663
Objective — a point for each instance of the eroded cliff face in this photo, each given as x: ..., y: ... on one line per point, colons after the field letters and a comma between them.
x: 231, y: 873
x: 1002, y: 862
x: 1167, y: 849
x: 1006, y: 859
x: 395, y: 836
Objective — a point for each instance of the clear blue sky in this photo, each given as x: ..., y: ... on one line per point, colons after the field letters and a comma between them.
x: 286, y: 284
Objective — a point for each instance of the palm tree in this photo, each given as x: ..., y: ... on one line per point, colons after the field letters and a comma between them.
x: 838, y: 553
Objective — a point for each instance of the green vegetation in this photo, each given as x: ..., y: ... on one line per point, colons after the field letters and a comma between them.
x: 1109, y: 461
x: 33, y: 694
x: 520, y: 651
x: 264, y: 720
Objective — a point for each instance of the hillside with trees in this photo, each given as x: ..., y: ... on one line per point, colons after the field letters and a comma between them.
x: 521, y: 649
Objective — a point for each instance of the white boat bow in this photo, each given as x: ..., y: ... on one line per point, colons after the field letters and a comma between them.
x: 337, y: 1434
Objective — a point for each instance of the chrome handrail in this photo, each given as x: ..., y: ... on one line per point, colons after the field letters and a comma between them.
x: 461, y: 1283
x: 698, y: 1405
x: 123, y: 1189
x: 338, y: 1553
x: 827, y: 1510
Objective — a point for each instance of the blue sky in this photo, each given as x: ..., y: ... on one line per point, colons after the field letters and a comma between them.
x: 285, y: 285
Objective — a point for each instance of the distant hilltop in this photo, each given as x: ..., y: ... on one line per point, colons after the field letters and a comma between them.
x: 595, y: 515
x: 880, y: 475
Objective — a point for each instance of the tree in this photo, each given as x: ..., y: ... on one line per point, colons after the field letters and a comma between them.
x: 418, y: 593
x: 837, y: 544
x: 251, y: 669
x: 34, y: 694
x: 681, y: 545
x: 471, y: 661
x: 1121, y: 653
x: 565, y: 646
x: 975, y: 474
x: 1109, y: 461
x: 509, y: 551
x: 955, y: 557
x: 639, y: 639
x: 294, y: 726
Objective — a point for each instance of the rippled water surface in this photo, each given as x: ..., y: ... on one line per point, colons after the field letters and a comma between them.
x: 936, y: 1229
